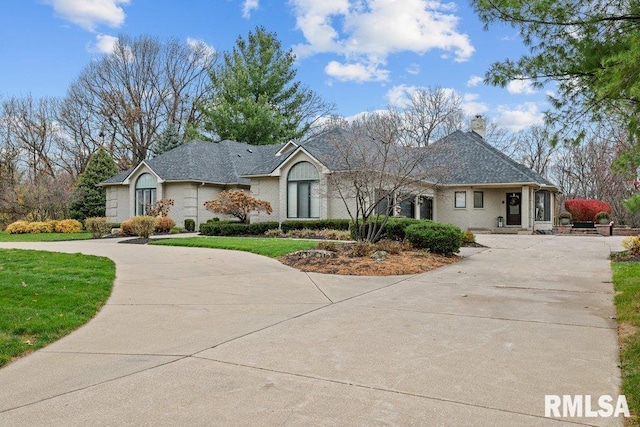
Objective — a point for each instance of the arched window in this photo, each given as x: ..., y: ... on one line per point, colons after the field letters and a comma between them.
x: 145, y: 193
x: 303, y: 200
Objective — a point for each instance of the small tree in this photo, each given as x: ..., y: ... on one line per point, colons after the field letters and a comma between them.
x: 160, y: 208
x: 91, y: 199
x: 237, y: 203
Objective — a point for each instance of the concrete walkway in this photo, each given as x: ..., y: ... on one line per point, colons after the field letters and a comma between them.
x: 210, y: 337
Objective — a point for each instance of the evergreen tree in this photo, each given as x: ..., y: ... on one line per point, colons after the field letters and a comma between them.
x: 169, y: 139
x: 256, y: 98
x: 91, y: 199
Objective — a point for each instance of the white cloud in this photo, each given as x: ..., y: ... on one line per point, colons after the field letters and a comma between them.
x: 88, y: 14
x: 356, y: 72
x: 474, y: 81
x: 413, y: 69
x: 368, y: 32
x: 519, y: 87
x: 248, y: 7
x: 203, y: 53
x: 520, y: 117
x: 104, y: 44
x: 400, y: 96
x: 471, y: 106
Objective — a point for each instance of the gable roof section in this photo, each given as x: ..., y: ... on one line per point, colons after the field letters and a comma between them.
x: 465, y: 158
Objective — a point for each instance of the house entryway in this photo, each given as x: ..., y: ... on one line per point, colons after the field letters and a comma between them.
x: 514, y: 208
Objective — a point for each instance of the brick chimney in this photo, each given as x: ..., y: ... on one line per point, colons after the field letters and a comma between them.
x: 479, y: 126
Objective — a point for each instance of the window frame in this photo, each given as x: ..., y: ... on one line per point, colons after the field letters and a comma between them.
x: 462, y: 205
x: 296, y: 184
x: 145, y: 196
x: 546, y: 206
x: 481, y: 204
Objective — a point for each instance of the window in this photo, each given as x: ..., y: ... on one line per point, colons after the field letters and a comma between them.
x: 145, y: 193
x: 303, y: 200
x: 407, y: 206
x: 478, y: 199
x: 461, y: 199
x: 543, y: 206
x: 426, y: 208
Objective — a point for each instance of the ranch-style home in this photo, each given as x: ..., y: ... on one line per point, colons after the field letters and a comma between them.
x: 478, y: 187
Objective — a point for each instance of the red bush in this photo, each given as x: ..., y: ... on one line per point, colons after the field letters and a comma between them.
x: 586, y: 209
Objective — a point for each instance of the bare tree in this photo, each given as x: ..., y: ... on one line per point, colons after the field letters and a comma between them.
x: 375, y: 169
x: 431, y: 114
x: 124, y: 100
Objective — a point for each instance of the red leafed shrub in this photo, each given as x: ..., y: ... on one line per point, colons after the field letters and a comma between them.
x: 586, y: 209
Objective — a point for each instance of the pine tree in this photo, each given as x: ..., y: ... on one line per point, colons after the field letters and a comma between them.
x: 169, y: 139
x: 91, y: 199
x: 256, y: 98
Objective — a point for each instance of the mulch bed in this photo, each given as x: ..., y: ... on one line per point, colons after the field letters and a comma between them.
x: 407, y: 262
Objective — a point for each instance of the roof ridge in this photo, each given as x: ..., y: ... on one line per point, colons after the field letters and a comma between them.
x: 518, y: 167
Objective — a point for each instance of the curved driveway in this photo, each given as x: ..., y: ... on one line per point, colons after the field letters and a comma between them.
x: 209, y: 337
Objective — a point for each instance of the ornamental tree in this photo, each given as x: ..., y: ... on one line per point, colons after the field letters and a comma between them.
x: 586, y: 209
x: 237, y: 203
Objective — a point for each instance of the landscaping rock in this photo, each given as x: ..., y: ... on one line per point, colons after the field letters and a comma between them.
x: 310, y: 253
x: 379, y: 256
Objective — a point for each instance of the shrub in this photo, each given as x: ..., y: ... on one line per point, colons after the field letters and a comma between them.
x: 235, y: 228
x: 276, y: 232
x: 393, y: 229
x: 143, y: 225
x: 160, y: 208
x: 259, y: 228
x: 316, y: 224
x: 602, y: 216
x: 18, y: 227
x: 97, y: 226
x: 362, y: 248
x: 189, y: 224
x: 439, y: 238
x: 328, y: 246
x: 632, y: 244
x: 393, y: 247
x: 468, y: 237
x: 177, y: 230
x: 40, y: 227
x: 68, y: 226
x: 586, y: 209
x: 164, y: 224
x: 126, y: 227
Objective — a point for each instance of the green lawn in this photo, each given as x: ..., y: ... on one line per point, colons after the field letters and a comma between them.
x: 258, y: 245
x: 46, y: 295
x: 626, y: 281
x: 42, y: 237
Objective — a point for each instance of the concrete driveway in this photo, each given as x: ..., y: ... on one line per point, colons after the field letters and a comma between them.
x: 209, y: 337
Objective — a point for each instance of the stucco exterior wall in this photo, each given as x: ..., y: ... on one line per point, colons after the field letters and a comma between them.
x: 267, y: 188
x: 117, y: 203
x: 469, y: 217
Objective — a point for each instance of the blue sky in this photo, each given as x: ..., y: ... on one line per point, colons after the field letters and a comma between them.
x: 362, y: 55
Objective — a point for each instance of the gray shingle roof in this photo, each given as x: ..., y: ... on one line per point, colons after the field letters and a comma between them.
x: 460, y: 158
x: 465, y: 158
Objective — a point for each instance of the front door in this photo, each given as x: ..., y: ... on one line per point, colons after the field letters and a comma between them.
x: 514, y: 211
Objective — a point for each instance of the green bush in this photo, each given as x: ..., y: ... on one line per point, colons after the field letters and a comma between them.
x: 316, y: 224
x: 439, y: 238
x: 235, y: 228
x: 393, y: 229
x: 97, y: 226
x: 189, y: 224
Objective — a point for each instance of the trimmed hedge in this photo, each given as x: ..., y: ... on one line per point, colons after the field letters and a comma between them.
x: 235, y: 228
x: 316, y: 224
x: 444, y: 239
x: 394, y: 229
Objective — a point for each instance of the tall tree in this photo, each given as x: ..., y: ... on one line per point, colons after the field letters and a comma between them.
x: 91, y: 199
x: 255, y: 97
x: 169, y: 139
x: 125, y: 99
x: 590, y: 49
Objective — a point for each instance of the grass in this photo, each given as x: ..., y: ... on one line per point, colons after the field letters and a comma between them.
x: 42, y: 237
x: 46, y: 295
x: 273, y: 248
x: 626, y: 281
